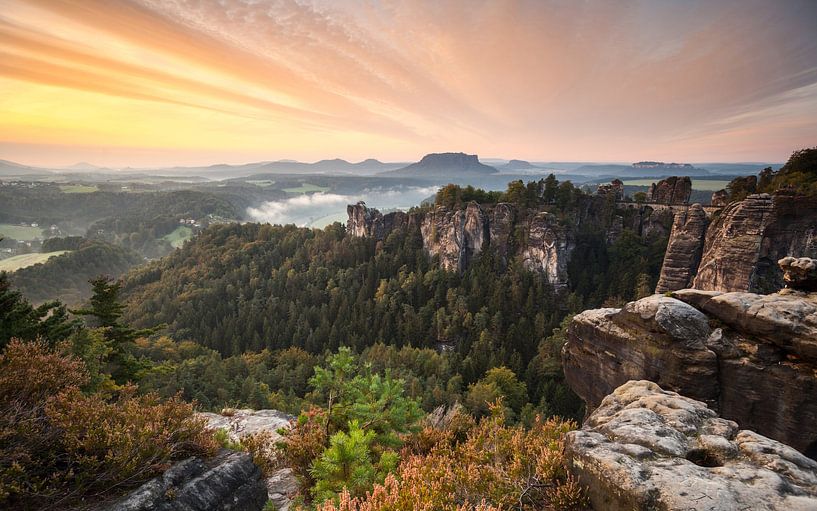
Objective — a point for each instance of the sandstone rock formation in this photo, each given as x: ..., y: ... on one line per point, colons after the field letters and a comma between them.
x: 548, y: 249
x: 745, y: 242
x: 684, y: 249
x: 752, y: 358
x: 719, y: 198
x: 670, y: 190
x: 500, y: 230
x: 455, y: 236
x: 367, y: 222
x: 229, y: 482
x: 645, y: 449
x: 799, y: 273
x: 240, y: 423
x: 281, y: 486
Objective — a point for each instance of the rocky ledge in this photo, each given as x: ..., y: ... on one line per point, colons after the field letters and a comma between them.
x: 751, y: 357
x: 281, y: 485
x: 645, y: 448
x: 228, y: 482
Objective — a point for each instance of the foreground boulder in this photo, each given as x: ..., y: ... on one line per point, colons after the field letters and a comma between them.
x: 645, y: 448
x: 750, y: 357
x: 281, y: 485
x: 227, y: 482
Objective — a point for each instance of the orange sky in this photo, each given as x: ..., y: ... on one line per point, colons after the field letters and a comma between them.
x: 169, y: 82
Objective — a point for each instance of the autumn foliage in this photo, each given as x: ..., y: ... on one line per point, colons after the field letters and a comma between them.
x: 59, y: 446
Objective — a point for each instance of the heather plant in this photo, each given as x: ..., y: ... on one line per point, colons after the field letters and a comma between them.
x: 496, y: 467
x: 59, y: 445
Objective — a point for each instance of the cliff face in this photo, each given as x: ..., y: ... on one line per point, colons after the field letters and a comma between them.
x: 758, y: 366
x: 367, y: 222
x: 737, y: 250
x: 743, y: 244
x: 684, y: 249
x: 548, y: 248
x: 542, y: 242
x: 670, y: 190
x: 645, y: 448
x: 455, y: 236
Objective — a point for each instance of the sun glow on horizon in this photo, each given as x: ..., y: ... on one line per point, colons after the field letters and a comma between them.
x: 142, y: 82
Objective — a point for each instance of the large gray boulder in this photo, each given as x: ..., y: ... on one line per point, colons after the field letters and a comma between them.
x: 281, y: 485
x: 228, y: 482
x: 649, y: 449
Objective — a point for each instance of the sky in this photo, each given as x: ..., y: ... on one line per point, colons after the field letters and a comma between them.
x: 192, y: 82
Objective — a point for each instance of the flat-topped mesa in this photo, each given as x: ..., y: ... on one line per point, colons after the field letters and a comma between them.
x: 750, y: 357
x: 645, y: 448
x: 670, y: 190
x: 683, y: 255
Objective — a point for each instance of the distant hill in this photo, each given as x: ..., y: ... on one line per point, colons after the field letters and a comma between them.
x: 444, y: 165
x: 518, y: 165
x: 11, y: 169
x: 657, y: 170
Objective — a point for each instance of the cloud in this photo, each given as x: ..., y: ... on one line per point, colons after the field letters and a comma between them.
x: 319, y: 78
x: 321, y: 209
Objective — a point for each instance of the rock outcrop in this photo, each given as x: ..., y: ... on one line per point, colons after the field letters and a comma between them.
x: 670, y: 190
x: 455, y: 236
x: 281, y: 486
x: 683, y: 255
x: 228, y: 482
x: 500, y: 230
x: 646, y: 449
x: 752, y: 358
x: 745, y: 242
x: 799, y: 273
x: 548, y: 249
x: 367, y: 222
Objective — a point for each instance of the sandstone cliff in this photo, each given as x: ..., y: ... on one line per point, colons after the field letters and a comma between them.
x: 645, y: 449
x: 455, y: 236
x: 684, y: 249
x: 367, y: 222
x: 670, y: 190
x: 548, y: 248
x: 542, y: 242
x: 752, y: 358
x: 737, y: 250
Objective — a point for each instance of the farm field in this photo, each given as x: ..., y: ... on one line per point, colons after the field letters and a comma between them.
x: 307, y: 188
x: 78, y: 188
x: 20, y: 232
x: 708, y: 185
x: 179, y: 236
x: 14, y: 263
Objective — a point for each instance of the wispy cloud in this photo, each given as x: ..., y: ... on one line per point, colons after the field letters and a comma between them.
x: 250, y: 79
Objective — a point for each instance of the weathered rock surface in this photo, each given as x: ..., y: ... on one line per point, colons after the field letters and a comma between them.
x: 683, y: 255
x: 548, y: 249
x: 500, y: 230
x: 752, y: 358
x: 455, y: 236
x: 365, y: 222
x: 229, y: 482
x: 719, y: 199
x: 799, y: 273
x: 745, y: 242
x: 281, y: 486
x: 645, y: 448
x: 240, y: 423
x: 670, y: 190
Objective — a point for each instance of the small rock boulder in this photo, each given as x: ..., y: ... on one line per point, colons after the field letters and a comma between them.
x: 646, y: 449
x: 799, y: 273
